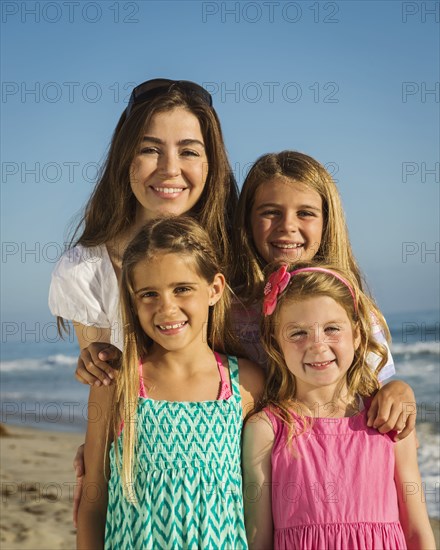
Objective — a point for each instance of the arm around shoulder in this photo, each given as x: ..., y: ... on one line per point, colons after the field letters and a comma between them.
x: 413, y: 513
x: 258, y: 438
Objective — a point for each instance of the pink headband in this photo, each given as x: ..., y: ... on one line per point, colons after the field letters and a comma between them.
x: 279, y: 280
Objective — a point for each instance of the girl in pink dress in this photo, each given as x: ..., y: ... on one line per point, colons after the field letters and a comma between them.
x: 316, y: 476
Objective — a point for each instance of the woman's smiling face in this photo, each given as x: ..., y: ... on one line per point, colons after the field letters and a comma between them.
x: 169, y: 171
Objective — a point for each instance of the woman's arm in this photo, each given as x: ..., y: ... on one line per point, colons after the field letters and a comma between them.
x: 393, y: 408
x: 412, y: 509
x: 82, y: 291
x: 93, y: 501
x: 258, y: 438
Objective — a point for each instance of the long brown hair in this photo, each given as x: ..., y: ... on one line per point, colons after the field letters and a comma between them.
x: 361, y: 380
x: 111, y: 208
x: 179, y: 235
x: 335, y: 244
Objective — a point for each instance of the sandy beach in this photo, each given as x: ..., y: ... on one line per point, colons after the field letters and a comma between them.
x: 37, y: 482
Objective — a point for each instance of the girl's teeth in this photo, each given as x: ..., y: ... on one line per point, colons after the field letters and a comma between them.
x: 323, y: 364
x: 168, y: 327
x: 168, y: 190
x: 278, y: 245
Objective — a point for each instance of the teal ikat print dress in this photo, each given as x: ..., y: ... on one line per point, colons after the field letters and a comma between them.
x: 188, y: 478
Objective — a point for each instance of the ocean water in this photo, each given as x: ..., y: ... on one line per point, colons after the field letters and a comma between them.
x: 38, y: 388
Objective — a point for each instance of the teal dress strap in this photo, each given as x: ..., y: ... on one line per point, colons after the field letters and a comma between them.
x: 233, y: 371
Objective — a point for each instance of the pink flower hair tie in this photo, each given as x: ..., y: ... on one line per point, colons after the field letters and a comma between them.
x: 275, y: 285
x: 279, y: 280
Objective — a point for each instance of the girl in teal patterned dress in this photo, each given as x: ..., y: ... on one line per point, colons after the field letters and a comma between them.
x: 168, y: 432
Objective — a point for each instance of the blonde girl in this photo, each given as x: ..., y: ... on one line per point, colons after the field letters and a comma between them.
x: 175, y: 473
x: 316, y: 476
x: 290, y: 209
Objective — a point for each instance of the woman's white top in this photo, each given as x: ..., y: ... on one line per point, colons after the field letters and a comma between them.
x: 84, y: 289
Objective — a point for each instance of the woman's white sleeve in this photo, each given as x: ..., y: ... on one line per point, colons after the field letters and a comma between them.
x: 373, y: 360
x: 76, y: 288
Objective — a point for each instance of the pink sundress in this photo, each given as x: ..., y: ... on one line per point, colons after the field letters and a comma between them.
x: 337, y: 490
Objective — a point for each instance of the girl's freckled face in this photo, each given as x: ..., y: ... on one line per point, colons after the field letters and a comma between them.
x: 287, y: 221
x: 317, y: 340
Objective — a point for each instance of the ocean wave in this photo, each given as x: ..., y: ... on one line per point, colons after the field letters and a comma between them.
x: 429, y: 460
x: 416, y: 348
x: 42, y: 364
x: 61, y: 359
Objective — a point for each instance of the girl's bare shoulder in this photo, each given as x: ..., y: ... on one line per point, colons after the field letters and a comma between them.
x: 251, y: 372
x: 252, y: 380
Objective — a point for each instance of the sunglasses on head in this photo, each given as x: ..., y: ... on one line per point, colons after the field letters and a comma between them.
x: 158, y: 86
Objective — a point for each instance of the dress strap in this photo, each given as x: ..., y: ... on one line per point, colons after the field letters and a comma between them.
x: 225, y: 391
x: 142, y: 392
x: 233, y: 370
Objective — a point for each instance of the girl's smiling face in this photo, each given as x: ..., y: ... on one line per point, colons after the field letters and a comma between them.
x: 172, y: 300
x: 317, y: 340
x: 287, y: 221
x: 169, y: 171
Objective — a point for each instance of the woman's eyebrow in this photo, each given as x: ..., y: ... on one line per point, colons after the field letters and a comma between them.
x: 186, y: 141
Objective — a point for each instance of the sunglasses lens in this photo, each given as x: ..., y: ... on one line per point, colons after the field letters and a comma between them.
x: 152, y: 88
x: 196, y: 89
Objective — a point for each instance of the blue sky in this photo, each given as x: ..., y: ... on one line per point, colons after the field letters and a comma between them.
x: 354, y: 84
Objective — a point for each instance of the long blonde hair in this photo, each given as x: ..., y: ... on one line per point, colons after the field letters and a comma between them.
x: 335, y: 244
x: 361, y: 380
x: 178, y: 235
